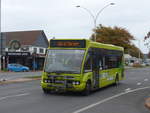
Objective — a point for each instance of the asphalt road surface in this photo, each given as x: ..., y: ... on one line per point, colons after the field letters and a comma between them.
x: 128, y: 97
x: 14, y: 75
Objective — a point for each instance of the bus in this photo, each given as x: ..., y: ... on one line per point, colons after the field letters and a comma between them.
x: 81, y: 65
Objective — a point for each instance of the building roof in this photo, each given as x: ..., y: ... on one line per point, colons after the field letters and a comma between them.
x: 24, y: 37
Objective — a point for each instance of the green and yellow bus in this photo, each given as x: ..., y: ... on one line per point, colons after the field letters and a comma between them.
x: 81, y: 65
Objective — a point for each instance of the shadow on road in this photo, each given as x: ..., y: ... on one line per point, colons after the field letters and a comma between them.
x: 79, y: 94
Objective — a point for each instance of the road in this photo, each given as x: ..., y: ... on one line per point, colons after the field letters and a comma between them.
x: 14, y: 75
x: 128, y: 97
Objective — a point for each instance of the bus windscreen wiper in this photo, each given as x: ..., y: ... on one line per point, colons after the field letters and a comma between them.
x: 57, y: 71
x: 62, y: 72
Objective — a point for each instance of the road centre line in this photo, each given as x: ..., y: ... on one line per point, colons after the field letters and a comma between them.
x: 145, y: 79
x: 107, y: 99
x: 139, y: 83
x: 128, y: 89
x: 19, y: 95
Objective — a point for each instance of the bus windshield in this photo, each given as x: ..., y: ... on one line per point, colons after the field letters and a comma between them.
x: 64, y: 61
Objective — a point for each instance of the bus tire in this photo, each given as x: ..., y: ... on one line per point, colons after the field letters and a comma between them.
x: 117, y: 80
x: 46, y: 91
x: 87, y: 89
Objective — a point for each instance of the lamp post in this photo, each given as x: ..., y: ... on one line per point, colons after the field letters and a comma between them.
x: 147, y: 44
x: 139, y: 54
x: 139, y: 49
x: 97, y: 15
x: 0, y: 38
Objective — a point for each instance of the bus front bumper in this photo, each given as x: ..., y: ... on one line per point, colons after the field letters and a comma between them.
x: 64, y: 87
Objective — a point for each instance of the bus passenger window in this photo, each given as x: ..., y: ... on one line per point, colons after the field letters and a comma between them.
x: 112, y: 62
x: 104, y: 63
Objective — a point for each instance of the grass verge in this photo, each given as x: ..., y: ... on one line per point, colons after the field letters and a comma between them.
x: 34, y: 77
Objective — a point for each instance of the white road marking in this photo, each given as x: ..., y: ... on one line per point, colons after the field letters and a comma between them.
x: 3, y: 79
x: 128, y: 89
x: 108, y: 99
x: 139, y: 83
x: 11, y: 96
x: 145, y: 79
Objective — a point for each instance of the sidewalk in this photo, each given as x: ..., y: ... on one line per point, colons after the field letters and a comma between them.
x: 147, y: 103
x: 128, y: 67
x: 19, y: 80
x: 17, y: 75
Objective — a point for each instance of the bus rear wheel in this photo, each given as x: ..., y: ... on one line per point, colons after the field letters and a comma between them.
x: 87, y: 89
x: 117, y: 80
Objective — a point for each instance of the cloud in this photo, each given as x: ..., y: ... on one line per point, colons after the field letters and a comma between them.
x: 60, y: 18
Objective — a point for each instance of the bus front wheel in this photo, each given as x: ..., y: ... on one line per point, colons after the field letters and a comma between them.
x: 87, y: 89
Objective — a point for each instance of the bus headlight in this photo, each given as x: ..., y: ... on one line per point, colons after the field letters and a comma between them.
x: 45, y: 81
x: 75, y: 82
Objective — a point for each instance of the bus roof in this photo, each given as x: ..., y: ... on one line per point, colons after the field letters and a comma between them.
x: 105, y: 46
x: 90, y: 43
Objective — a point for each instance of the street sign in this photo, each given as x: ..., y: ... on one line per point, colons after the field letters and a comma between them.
x: 17, y: 53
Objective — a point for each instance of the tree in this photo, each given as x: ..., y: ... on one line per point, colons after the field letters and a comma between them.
x: 147, y: 36
x: 149, y: 54
x: 147, y: 42
x: 134, y: 51
x: 147, y: 39
x: 116, y: 36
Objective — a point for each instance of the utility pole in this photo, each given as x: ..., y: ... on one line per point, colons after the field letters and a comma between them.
x: 139, y: 49
x: 0, y: 39
x: 95, y: 17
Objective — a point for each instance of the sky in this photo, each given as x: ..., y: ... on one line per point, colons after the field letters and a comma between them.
x: 61, y: 19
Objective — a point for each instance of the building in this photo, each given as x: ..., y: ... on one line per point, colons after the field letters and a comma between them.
x: 129, y: 60
x: 146, y: 59
x: 25, y: 47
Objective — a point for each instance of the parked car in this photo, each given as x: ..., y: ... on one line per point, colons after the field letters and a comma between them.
x: 17, y: 67
x: 143, y: 64
x: 147, y: 63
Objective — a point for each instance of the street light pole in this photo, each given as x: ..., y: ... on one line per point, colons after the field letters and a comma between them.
x: 139, y: 49
x: 0, y: 40
x: 139, y: 44
x: 97, y: 15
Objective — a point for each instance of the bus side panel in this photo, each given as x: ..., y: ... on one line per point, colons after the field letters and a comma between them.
x: 112, y: 75
x: 88, y: 76
x: 108, y: 76
x: 103, y: 78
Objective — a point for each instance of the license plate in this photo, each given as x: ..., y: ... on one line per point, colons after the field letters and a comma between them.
x: 59, y: 82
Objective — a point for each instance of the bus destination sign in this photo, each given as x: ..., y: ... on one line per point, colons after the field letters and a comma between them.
x: 68, y: 43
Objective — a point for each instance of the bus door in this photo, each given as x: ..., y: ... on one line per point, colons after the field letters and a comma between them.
x: 95, y: 67
x: 103, y: 68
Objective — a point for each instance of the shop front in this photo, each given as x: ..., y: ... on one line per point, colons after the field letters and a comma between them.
x: 33, y: 61
x: 22, y: 58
